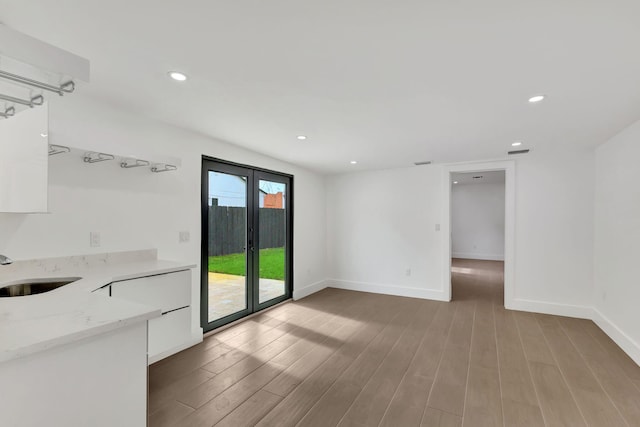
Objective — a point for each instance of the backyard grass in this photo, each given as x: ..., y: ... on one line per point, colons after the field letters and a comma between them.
x: 271, y: 264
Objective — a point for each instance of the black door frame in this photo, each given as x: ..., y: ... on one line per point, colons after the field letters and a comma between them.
x: 254, y: 174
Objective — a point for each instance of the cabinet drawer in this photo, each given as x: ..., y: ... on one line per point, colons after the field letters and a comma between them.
x: 164, y: 291
x: 169, y: 331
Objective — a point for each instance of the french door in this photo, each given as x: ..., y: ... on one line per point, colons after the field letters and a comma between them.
x: 246, y: 241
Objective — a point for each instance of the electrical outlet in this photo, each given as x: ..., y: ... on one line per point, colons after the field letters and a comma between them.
x: 408, y: 272
x: 94, y: 239
x: 184, y: 237
x: 437, y: 227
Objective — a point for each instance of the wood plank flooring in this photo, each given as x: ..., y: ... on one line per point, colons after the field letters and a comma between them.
x: 343, y: 358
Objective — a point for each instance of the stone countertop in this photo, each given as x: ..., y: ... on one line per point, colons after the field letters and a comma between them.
x: 34, y: 323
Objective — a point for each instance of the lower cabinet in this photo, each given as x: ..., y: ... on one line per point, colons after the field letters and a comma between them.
x: 168, y: 332
x: 99, y: 381
x: 171, y: 293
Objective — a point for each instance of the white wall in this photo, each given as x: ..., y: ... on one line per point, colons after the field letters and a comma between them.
x: 477, y: 221
x: 617, y: 237
x: 554, y: 233
x: 136, y: 209
x: 381, y: 223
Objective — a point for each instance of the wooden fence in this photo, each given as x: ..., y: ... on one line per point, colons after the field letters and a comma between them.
x: 227, y: 229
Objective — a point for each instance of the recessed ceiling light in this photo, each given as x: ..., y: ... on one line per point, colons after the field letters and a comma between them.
x: 301, y: 137
x: 516, y: 144
x: 353, y: 162
x: 536, y: 98
x: 178, y: 76
x: 455, y: 182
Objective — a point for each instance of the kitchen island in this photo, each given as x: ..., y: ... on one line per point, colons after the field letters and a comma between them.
x: 75, y: 356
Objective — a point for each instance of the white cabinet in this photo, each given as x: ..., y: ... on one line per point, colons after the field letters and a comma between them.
x: 164, y: 291
x: 169, y: 332
x: 24, y: 159
x: 99, y: 381
x: 170, y: 292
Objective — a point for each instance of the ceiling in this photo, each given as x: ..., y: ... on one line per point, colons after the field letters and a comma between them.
x: 493, y: 177
x: 384, y: 83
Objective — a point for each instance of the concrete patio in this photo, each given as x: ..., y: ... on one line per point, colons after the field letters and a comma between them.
x: 227, y: 293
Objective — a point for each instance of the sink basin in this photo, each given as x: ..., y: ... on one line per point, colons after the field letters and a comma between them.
x: 35, y: 286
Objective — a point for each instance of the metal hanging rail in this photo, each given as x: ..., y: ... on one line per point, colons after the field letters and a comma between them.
x: 67, y: 87
x: 33, y: 102
x: 8, y: 112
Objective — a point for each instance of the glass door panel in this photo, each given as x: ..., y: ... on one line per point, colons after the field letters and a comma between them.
x: 272, y: 237
x: 227, y: 243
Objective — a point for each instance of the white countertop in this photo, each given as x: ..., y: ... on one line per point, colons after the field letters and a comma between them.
x: 31, y: 324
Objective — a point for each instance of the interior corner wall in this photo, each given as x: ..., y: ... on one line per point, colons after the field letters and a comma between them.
x: 382, y: 234
x: 478, y: 221
x: 136, y: 209
x: 617, y: 233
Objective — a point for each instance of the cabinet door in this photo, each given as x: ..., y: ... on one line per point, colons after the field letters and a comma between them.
x: 165, y: 291
x: 24, y: 160
x: 168, y: 333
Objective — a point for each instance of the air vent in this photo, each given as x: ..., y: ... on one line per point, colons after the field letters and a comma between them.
x: 517, y: 152
x: 427, y: 162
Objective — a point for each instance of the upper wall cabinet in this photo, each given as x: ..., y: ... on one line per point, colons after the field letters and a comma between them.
x: 24, y: 156
x: 30, y: 71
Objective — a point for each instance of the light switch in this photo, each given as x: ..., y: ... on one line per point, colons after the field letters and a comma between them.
x: 437, y: 227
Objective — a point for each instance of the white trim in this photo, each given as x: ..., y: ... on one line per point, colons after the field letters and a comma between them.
x: 509, y: 167
x: 469, y: 255
x: 195, y: 339
x: 567, y: 310
x: 309, y: 289
x: 626, y: 343
x: 376, y: 288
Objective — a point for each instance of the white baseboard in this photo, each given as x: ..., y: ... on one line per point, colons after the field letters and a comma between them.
x: 309, y: 289
x: 623, y: 340
x: 567, y: 310
x: 375, y: 288
x: 485, y: 257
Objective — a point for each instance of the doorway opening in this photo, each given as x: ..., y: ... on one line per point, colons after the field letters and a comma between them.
x: 247, y: 241
x: 478, y: 229
x: 477, y: 235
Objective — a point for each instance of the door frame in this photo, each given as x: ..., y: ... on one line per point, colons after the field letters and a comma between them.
x: 509, y: 168
x: 253, y: 304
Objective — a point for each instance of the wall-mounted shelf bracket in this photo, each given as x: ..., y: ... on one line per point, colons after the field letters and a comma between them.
x: 133, y: 163
x: 58, y: 149
x: 93, y: 157
x: 163, y: 168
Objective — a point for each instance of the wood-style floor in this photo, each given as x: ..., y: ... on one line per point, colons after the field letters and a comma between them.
x: 357, y: 359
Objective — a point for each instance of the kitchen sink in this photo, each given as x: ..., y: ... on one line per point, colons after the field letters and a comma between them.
x: 35, y: 286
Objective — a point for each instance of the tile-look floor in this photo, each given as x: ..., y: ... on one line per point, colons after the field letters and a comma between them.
x: 357, y: 359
